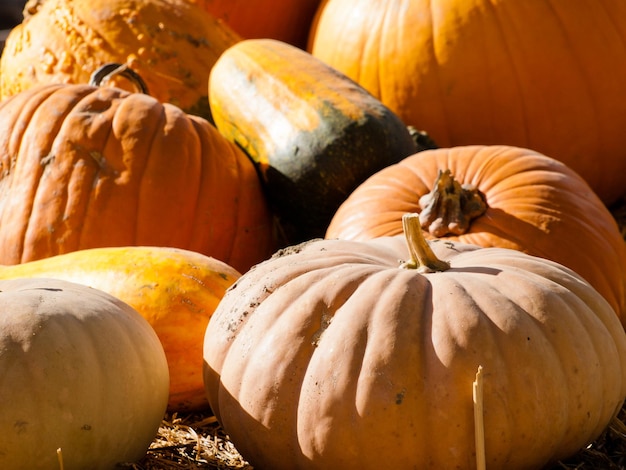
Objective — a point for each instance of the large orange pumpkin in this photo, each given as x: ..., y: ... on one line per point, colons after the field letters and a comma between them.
x: 285, y: 20
x: 84, y: 166
x: 333, y: 355
x: 495, y: 196
x: 542, y: 75
x: 172, y: 44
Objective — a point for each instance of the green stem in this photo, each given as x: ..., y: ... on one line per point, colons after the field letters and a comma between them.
x: 421, y: 255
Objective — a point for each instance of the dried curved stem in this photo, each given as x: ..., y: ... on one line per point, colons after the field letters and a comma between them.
x: 422, y: 257
x: 108, y: 71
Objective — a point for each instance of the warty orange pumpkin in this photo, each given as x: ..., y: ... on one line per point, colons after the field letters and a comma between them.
x: 175, y: 290
x: 172, y: 44
x: 85, y: 167
x: 492, y: 195
x: 542, y: 75
x: 332, y: 354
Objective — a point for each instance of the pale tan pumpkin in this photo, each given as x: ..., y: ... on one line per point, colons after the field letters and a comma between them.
x: 84, y: 378
x: 175, y: 290
x: 332, y: 354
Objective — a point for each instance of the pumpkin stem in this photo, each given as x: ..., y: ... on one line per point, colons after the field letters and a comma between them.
x: 422, y: 257
x: 108, y: 71
x: 450, y: 207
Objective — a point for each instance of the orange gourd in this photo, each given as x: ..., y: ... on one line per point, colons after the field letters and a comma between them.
x: 548, y: 76
x: 313, y: 133
x: 501, y: 196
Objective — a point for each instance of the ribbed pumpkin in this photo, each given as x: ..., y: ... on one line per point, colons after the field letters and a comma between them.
x: 285, y: 20
x: 175, y: 290
x: 313, y: 133
x: 502, y: 196
x: 172, y: 44
x: 87, y: 167
x: 84, y: 379
x: 332, y: 354
x: 542, y: 75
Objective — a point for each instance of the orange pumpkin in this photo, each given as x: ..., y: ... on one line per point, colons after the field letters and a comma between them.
x: 172, y: 44
x: 494, y: 196
x: 542, y: 75
x: 285, y: 20
x: 84, y: 166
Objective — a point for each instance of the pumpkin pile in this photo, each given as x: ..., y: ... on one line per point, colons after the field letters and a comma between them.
x: 346, y: 235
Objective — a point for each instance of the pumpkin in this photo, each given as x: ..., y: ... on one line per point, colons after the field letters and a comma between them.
x: 172, y: 44
x: 491, y: 195
x: 313, y: 134
x: 542, y: 75
x: 87, y: 167
x: 332, y: 354
x: 175, y: 290
x: 84, y: 378
x: 285, y: 20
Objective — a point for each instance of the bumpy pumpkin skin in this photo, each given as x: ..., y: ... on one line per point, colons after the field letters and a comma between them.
x: 82, y: 373
x: 87, y: 167
x: 175, y: 290
x: 534, y: 204
x: 330, y: 355
x: 541, y: 75
x: 285, y: 20
x: 313, y: 133
x: 172, y: 44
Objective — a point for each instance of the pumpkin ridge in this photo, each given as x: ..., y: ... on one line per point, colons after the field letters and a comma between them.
x: 158, y: 125
x: 70, y: 212
x: 521, y: 283
x: 39, y: 168
x: 101, y: 159
x: 128, y: 169
x: 514, y: 77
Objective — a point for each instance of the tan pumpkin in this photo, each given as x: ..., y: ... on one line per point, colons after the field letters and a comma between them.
x: 542, y: 75
x: 84, y: 380
x: 332, y: 354
x: 172, y: 44
x: 175, y: 290
x: 501, y: 196
x: 86, y: 167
